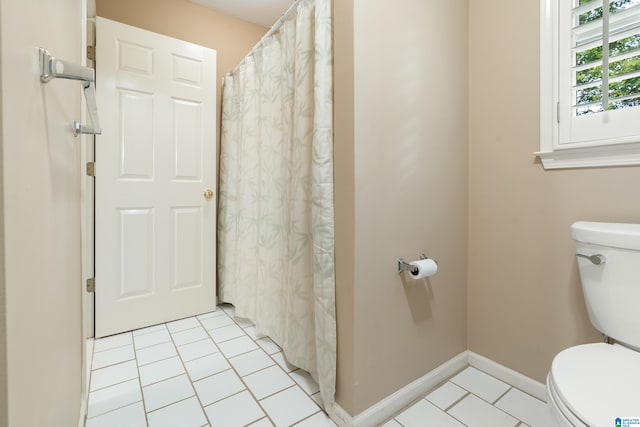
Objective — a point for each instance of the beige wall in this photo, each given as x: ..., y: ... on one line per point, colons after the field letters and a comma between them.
x: 525, y: 300
x: 3, y: 301
x: 41, y: 213
x: 408, y: 192
x: 232, y: 38
x: 344, y: 199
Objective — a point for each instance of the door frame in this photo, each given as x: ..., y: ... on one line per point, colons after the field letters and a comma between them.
x: 86, y: 142
x: 87, y: 195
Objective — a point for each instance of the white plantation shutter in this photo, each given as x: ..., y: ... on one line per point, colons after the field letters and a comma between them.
x: 598, y: 86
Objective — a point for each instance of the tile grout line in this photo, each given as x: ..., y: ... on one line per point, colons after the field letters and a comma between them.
x: 319, y: 411
x: 135, y: 355
x: 454, y: 417
x: 114, y: 409
x: 295, y: 383
x: 232, y: 368
x: 246, y: 387
x: 276, y: 392
x: 502, y: 395
x: 114, y: 384
x: 529, y: 395
x: 186, y: 372
x: 226, y: 397
x: 256, y: 371
x: 480, y: 397
x: 217, y: 343
x: 110, y: 336
x: 413, y: 402
x: 505, y: 412
x: 114, y: 363
x: 159, y: 360
x: 165, y: 379
x: 110, y: 349
x: 182, y: 330
x: 153, y: 345
x: 220, y: 326
x: 201, y: 357
x: 262, y: 408
x: 467, y: 393
x: 226, y: 313
x: 259, y: 402
x: 91, y: 373
x: 187, y: 330
x: 457, y: 401
x: 483, y: 400
x: 173, y: 403
x: 139, y: 334
x: 178, y: 351
x: 104, y: 367
x: 453, y: 404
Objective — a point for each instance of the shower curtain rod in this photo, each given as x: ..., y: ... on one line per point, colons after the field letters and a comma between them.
x: 273, y: 29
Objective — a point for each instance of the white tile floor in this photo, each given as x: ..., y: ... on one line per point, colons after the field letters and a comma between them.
x: 213, y: 370
x: 475, y: 399
x: 208, y: 370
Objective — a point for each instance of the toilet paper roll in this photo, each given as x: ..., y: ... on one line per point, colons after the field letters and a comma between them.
x: 423, y: 268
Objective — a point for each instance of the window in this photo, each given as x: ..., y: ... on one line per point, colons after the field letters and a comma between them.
x: 590, y: 83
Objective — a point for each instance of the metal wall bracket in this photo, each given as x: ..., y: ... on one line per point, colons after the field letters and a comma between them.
x: 53, y: 68
x: 404, y: 266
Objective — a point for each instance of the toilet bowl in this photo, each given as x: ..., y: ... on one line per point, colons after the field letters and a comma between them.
x: 598, y: 385
x: 593, y: 384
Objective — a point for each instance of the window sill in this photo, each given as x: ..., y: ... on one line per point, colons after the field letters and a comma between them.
x: 591, y: 157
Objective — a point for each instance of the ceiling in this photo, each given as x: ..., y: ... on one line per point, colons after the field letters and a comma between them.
x: 262, y: 12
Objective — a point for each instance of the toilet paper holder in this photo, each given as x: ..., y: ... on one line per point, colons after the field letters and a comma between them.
x: 404, y: 266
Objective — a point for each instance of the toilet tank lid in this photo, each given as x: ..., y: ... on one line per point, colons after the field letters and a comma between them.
x: 617, y: 235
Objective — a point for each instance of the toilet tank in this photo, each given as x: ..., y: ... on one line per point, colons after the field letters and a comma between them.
x: 612, y: 288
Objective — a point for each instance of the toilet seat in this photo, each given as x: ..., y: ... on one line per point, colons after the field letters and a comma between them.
x: 559, y: 411
x: 593, y: 384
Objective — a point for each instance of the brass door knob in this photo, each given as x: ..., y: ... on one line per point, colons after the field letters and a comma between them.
x: 208, y: 193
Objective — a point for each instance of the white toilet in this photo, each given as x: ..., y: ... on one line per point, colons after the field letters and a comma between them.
x: 595, y: 384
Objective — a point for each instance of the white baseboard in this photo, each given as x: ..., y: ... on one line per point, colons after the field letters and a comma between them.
x: 391, y: 405
x: 511, y: 377
x: 341, y: 417
x: 83, y: 412
x: 86, y: 376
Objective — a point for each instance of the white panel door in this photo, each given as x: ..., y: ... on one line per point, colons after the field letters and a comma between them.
x: 155, y: 159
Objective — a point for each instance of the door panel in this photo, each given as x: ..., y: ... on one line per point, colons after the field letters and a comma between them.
x: 187, y: 254
x: 155, y: 230
x: 135, y: 138
x: 136, y: 253
x: 187, y: 118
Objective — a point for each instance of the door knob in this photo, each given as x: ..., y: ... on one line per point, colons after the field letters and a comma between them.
x: 208, y: 193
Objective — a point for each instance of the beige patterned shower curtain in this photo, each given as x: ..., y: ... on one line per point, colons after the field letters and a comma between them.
x: 275, y: 219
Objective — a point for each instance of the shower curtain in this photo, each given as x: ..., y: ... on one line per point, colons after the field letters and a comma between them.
x: 275, y: 219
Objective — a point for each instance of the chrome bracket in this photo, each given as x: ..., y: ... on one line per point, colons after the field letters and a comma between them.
x: 53, y: 68
x: 404, y: 266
